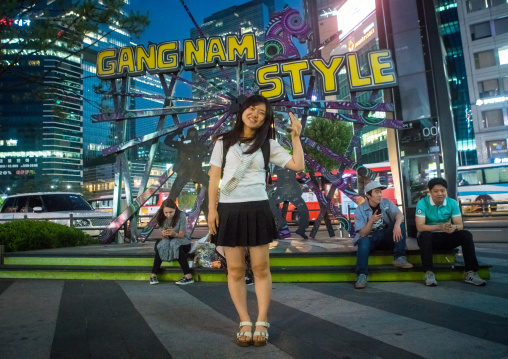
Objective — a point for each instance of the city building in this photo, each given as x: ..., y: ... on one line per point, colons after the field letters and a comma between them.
x: 484, y: 30
x: 451, y: 35
x: 41, y: 115
x: 99, y: 171
x: 358, y: 25
x: 251, y: 17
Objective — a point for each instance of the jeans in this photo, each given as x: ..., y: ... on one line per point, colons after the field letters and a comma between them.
x: 182, y: 259
x: 427, y: 241
x: 382, y: 239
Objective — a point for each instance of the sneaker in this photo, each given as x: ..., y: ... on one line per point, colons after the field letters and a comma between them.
x: 249, y: 281
x: 153, y: 280
x: 430, y: 279
x: 361, y: 281
x: 474, y: 278
x: 402, y: 262
x: 284, y: 233
x: 185, y: 281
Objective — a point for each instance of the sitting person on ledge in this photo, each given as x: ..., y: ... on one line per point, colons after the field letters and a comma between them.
x: 378, y: 225
x: 439, y: 225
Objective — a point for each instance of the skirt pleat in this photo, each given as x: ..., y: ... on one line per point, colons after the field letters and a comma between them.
x: 245, y: 224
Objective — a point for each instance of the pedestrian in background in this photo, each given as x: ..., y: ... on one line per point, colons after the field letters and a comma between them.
x: 378, y: 225
x: 439, y: 224
x: 175, y: 243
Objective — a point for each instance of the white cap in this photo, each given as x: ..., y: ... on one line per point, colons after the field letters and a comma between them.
x: 372, y: 185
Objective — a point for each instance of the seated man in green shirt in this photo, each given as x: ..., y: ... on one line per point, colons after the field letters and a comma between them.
x: 439, y: 223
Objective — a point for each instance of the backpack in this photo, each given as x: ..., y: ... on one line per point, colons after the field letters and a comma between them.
x: 265, y: 149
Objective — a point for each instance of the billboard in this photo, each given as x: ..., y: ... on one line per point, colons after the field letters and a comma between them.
x: 352, y: 14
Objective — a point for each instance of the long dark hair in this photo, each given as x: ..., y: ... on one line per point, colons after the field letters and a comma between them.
x: 263, y: 134
x: 160, y: 217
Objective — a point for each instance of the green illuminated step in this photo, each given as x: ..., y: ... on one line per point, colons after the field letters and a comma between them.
x: 279, y: 274
x: 276, y: 260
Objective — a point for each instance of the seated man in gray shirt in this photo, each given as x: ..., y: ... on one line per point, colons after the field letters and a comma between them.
x: 378, y: 225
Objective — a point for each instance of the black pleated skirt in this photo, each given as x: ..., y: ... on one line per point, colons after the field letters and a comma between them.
x: 245, y: 224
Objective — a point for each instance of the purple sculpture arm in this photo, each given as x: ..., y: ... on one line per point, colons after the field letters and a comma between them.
x: 137, y: 141
x: 385, y: 122
x: 339, y: 158
x: 135, y: 114
x: 338, y: 105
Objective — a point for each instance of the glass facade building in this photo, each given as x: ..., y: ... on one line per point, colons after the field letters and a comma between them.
x: 449, y: 29
x: 251, y: 17
x: 484, y: 33
x: 41, y: 121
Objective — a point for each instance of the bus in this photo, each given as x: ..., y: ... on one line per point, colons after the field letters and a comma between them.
x: 105, y: 203
x: 480, y: 183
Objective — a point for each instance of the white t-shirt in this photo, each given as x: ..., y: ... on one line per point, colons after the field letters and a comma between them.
x: 252, y: 186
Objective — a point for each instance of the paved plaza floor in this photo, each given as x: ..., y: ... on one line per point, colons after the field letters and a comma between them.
x: 132, y: 319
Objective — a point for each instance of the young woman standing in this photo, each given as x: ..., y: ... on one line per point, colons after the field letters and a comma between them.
x: 243, y: 218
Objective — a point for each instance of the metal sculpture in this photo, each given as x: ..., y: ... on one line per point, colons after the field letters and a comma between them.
x: 221, y: 104
x: 283, y: 26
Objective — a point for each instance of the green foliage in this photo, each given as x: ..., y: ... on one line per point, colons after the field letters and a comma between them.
x: 336, y: 135
x: 25, y: 235
x: 186, y: 200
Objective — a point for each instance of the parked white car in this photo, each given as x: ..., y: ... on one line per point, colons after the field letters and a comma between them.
x: 55, y: 207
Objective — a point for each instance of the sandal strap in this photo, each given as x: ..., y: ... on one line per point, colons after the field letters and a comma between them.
x: 245, y: 323
x: 261, y: 334
x: 244, y: 334
x: 264, y: 324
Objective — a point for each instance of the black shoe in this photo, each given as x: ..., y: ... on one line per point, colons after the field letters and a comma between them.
x: 185, y: 281
x: 301, y: 233
x: 249, y: 281
x: 153, y: 280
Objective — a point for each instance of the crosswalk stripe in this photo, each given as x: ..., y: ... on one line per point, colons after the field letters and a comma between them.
x: 449, y: 293
x: 395, y: 329
x: 28, y: 311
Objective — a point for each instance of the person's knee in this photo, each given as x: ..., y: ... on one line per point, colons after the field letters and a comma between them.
x: 261, y: 270
x: 466, y: 236
x: 236, y: 272
x: 363, y: 244
x: 424, y: 239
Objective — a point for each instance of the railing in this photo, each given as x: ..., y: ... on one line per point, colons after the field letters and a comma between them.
x: 71, y: 218
x: 484, y: 208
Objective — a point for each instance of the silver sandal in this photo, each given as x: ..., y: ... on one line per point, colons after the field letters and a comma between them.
x: 264, y: 335
x: 244, y: 343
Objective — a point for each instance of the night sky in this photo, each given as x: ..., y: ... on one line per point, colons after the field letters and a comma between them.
x: 170, y: 21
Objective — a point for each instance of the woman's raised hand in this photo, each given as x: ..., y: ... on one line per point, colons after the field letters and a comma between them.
x: 296, y: 125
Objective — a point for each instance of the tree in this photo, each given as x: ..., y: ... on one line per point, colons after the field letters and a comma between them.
x: 336, y: 135
x: 31, y: 27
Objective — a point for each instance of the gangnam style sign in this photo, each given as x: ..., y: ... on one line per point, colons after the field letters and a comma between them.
x: 169, y: 57
x: 283, y: 63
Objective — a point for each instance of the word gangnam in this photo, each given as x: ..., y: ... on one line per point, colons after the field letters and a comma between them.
x: 382, y: 74
x: 166, y: 57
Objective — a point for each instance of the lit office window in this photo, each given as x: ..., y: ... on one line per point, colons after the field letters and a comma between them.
x: 503, y: 55
x: 484, y: 59
x: 488, y: 88
x: 493, y: 118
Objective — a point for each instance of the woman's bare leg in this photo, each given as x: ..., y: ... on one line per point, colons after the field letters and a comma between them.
x: 235, y: 258
x: 260, y: 261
